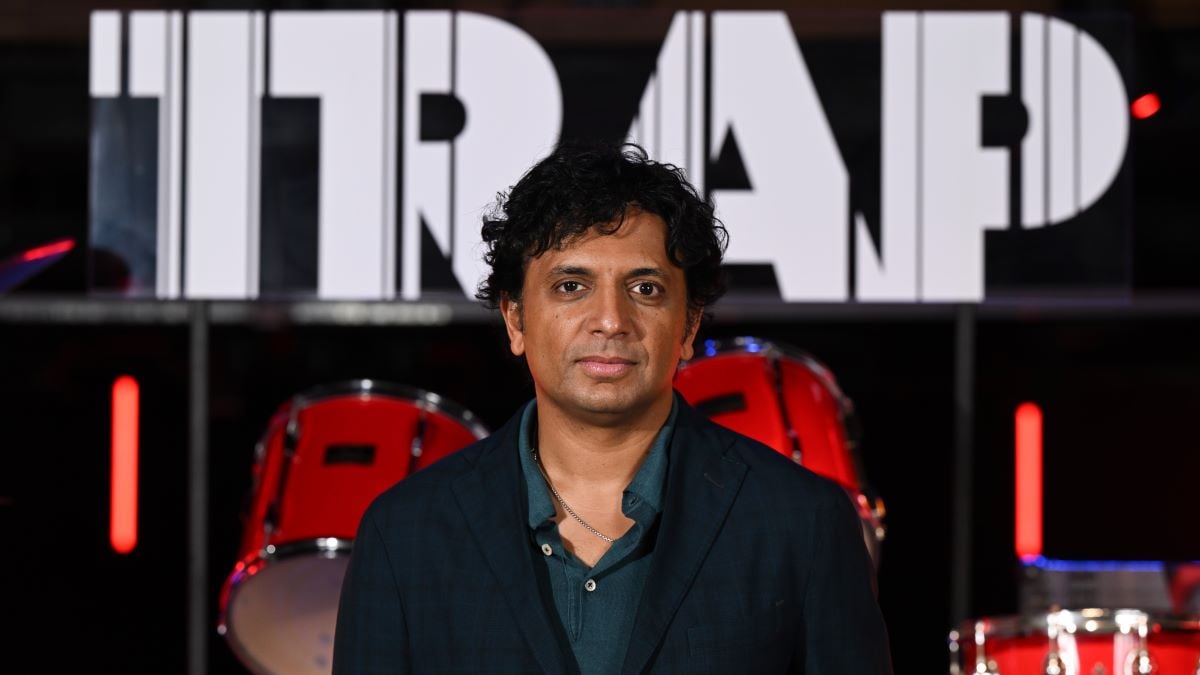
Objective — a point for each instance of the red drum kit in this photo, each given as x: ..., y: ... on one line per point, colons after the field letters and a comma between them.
x: 325, y: 456
x: 327, y: 453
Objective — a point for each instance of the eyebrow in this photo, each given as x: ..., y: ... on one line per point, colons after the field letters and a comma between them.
x: 647, y: 272
x: 576, y: 270
x: 570, y: 270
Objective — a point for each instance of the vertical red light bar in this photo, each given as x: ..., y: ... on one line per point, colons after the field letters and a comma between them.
x: 122, y: 530
x: 1029, y: 482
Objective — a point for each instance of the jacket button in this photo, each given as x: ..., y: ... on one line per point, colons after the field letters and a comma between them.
x: 546, y: 549
x: 589, y: 585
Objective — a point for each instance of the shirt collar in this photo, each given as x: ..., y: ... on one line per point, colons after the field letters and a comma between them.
x: 541, y: 508
x: 649, y: 484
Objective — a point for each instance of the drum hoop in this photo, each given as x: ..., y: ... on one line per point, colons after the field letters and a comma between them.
x: 326, y: 547
x: 240, y: 650
x: 749, y: 344
x: 366, y: 388
x: 1091, y: 621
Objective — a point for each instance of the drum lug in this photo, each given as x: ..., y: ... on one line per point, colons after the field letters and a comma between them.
x: 291, y: 435
x: 270, y: 518
x: 955, y: 657
x: 1140, y: 662
x: 417, y: 446
x: 1054, y: 664
x: 291, y: 440
x: 983, y: 665
x: 880, y: 512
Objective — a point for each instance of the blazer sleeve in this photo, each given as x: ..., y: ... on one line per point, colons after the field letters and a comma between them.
x: 844, y: 632
x: 371, y: 635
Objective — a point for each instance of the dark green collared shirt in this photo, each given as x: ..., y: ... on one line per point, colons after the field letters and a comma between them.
x: 597, y: 606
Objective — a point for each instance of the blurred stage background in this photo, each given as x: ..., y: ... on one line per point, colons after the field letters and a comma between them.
x: 1095, y: 322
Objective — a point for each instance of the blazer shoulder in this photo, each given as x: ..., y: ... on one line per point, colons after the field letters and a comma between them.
x: 429, y: 486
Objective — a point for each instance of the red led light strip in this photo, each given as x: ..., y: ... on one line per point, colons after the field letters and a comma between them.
x: 1146, y: 106
x: 48, y: 250
x: 1029, y: 482
x: 122, y: 530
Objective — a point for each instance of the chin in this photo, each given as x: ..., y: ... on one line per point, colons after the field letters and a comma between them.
x: 613, y: 403
x: 607, y: 406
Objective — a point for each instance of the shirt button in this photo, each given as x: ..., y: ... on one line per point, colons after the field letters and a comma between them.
x: 589, y: 585
x: 546, y: 549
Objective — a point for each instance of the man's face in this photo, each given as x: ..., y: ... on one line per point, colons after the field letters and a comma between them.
x: 603, y: 322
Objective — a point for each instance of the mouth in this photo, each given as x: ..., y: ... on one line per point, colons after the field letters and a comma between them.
x: 605, y: 367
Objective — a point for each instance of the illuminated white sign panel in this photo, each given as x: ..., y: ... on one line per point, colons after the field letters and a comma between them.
x: 718, y: 76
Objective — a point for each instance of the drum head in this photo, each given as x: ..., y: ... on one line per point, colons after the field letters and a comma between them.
x: 284, y: 621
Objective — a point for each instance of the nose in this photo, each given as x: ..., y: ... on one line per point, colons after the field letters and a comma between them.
x: 610, y: 315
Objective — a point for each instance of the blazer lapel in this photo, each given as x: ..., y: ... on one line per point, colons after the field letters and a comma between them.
x: 491, y: 499
x: 701, y: 486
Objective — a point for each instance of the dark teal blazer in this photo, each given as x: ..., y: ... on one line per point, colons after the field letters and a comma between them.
x: 759, y: 567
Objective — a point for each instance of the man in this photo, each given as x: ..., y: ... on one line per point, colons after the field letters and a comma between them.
x: 609, y: 527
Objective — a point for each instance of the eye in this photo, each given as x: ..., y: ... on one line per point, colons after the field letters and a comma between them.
x: 647, y: 288
x: 569, y: 286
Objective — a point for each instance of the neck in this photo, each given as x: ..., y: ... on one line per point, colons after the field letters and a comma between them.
x: 578, y: 452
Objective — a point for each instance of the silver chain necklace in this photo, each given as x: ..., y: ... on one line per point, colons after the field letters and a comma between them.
x: 562, y: 502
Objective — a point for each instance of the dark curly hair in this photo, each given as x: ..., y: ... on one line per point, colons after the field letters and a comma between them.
x: 580, y: 187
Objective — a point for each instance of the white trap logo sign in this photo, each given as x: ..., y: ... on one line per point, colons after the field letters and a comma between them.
x: 425, y: 115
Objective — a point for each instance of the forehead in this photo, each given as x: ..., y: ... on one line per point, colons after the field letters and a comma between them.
x: 640, y: 241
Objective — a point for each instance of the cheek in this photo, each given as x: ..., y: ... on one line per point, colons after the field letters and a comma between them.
x: 546, y: 338
x: 668, y: 345
x: 535, y: 360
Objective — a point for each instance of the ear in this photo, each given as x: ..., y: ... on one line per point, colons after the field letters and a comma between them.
x: 693, y: 327
x: 514, y: 324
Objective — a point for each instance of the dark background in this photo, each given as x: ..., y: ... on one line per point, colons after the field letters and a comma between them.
x: 1118, y: 380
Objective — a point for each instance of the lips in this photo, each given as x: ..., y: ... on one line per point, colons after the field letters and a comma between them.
x: 605, y: 367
